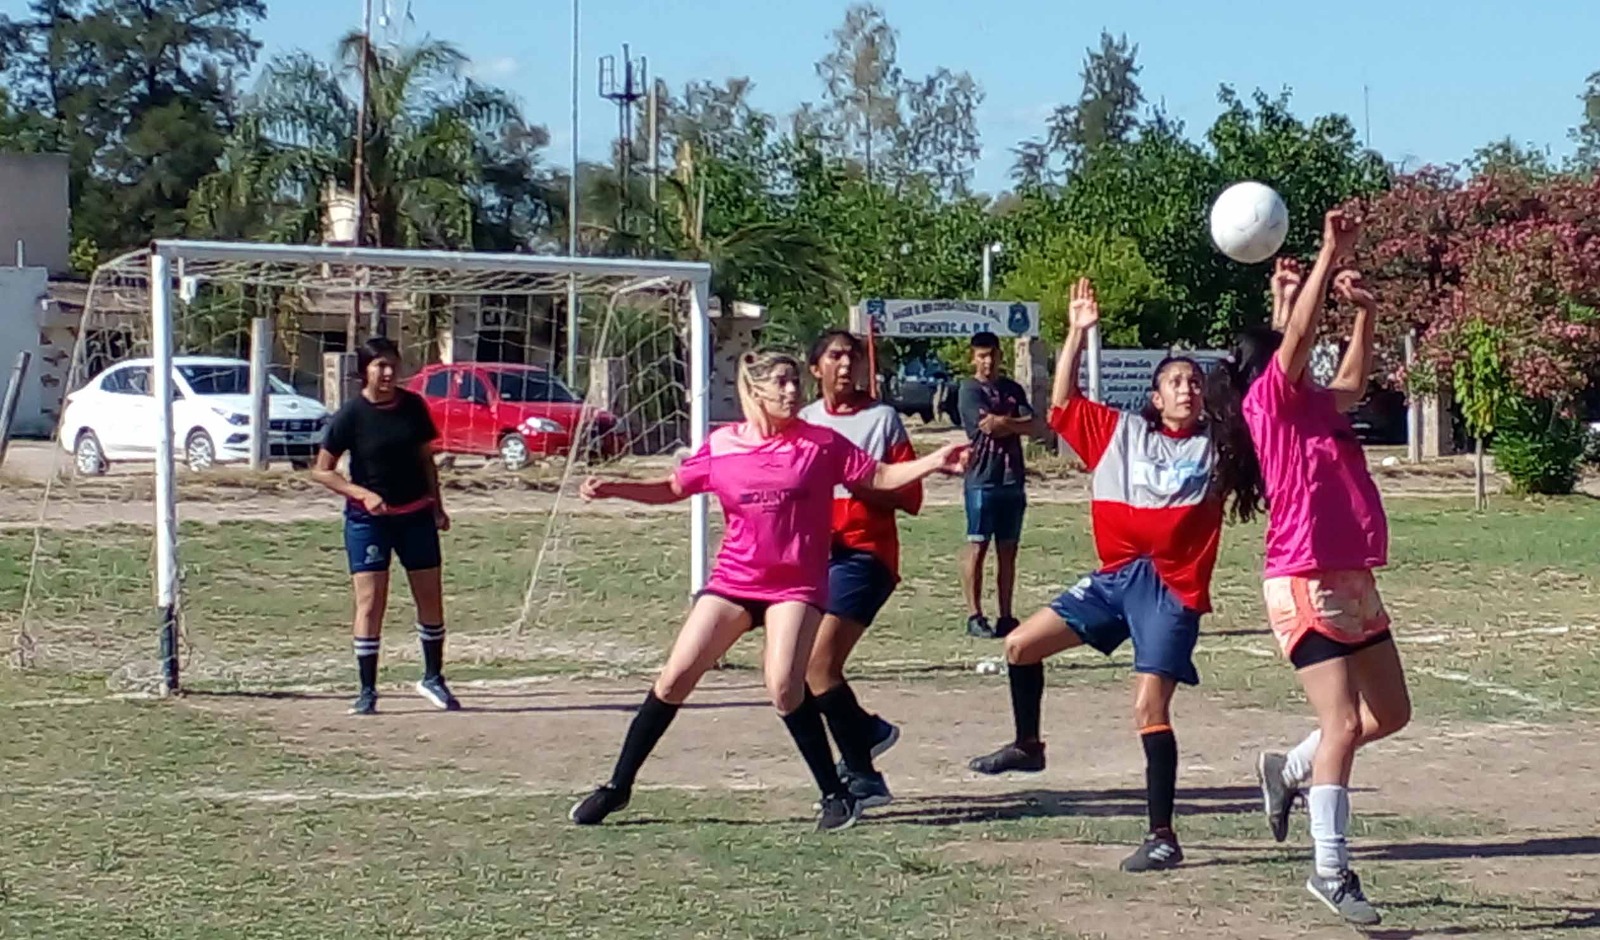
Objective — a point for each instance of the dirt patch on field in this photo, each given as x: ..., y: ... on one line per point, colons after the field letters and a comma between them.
x: 564, y: 734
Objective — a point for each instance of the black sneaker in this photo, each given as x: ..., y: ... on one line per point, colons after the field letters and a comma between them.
x: 1277, y: 796
x: 1158, y: 853
x: 868, y: 790
x: 1013, y: 758
x: 838, y: 812
x: 1343, y: 895
x: 978, y: 626
x: 434, y: 690
x: 593, y: 809
x: 1005, y: 625
x: 884, y: 736
x: 366, y: 703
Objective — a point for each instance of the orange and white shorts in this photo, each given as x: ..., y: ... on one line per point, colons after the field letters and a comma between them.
x: 1343, y: 606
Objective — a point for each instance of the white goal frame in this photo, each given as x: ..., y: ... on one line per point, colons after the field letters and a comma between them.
x: 168, y: 256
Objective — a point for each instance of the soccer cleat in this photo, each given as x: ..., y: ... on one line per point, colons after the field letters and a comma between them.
x: 1005, y: 625
x: 366, y: 703
x: 838, y: 812
x: 1343, y: 895
x: 869, y: 790
x: 884, y: 736
x: 1159, y: 852
x: 593, y: 809
x: 434, y: 690
x: 1013, y: 758
x: 978, y: 626
x: 1277, y: 796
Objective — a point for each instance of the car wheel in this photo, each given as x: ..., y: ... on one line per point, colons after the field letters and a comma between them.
x: 514, y: 451
x: 926, y: 415
x: 199, y: 452
x: 88, y: 455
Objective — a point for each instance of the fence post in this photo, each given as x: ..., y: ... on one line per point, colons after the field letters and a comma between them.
x: 260, y: 414
x: 8, y: 407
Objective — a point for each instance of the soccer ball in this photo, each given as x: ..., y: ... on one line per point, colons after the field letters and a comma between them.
x: 1249, y: 222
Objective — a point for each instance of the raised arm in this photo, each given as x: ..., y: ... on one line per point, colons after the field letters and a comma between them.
x: 650, y: 492
x: 1349, y: 387
x: 1286, y: 279
x: 1083, y: 315
x: 1300, y: 333
x: 951, y: 458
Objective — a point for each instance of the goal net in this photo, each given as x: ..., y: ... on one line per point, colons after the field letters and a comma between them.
x: 144, y: 557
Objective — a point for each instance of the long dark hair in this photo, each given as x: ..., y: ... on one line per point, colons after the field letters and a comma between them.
x: 378, y: 347
x: 1238, y: 471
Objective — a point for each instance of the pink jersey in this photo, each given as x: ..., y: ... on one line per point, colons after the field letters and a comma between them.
x: 1325, y: 513
x: 777, y: 504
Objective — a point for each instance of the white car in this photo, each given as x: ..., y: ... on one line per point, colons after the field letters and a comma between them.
x: 113, y: 417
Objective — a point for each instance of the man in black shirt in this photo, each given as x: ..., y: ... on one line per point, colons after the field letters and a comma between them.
x: 995, y: 415
x: 392, y: 507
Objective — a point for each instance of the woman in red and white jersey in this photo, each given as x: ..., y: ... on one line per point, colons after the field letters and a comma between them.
x: 865, y: 563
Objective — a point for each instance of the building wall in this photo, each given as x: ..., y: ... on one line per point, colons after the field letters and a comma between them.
x: 34, y: 210
x: 21, y: 292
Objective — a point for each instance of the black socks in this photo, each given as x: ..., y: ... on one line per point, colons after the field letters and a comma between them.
x: 432, y: 640
x: 367, y: 661
x: 805, y: 726
x: 648, y: 725
x: 1027, y: 699
x: 849, y: 722
x: 1160, y: 774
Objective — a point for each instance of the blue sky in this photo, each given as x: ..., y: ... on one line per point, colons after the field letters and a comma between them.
x: 1445, y: 75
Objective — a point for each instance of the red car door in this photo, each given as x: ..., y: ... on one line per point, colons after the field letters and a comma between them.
x: 476, y: 402
x: 436, y: 393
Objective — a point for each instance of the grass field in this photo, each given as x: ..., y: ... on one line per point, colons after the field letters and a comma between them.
x: 254, y: 807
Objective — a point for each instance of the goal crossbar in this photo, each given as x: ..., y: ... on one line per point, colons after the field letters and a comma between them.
x: 377, y: 270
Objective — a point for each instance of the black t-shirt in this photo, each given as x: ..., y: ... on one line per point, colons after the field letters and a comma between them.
x: 385, y: 444
x: 995, y: 461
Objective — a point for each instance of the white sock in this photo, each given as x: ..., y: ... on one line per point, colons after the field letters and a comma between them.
x: 1297, y: 765
x: 1330, y: 817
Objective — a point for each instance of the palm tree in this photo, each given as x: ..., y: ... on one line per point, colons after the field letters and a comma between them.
x: 443, y: 153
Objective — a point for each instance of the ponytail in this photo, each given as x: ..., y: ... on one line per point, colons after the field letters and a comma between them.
x: 1238, y: 473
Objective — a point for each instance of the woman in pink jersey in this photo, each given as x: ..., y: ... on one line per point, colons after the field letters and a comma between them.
x: 1326, y: 534
x: 1161, y: 482
x: 774, y: 476
x: 864, y: 566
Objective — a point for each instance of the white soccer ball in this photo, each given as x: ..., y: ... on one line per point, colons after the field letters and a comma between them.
x: 1249, y: 222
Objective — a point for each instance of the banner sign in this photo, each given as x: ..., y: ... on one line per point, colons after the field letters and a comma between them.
x: 937, y: 319
x: 1125, y: 373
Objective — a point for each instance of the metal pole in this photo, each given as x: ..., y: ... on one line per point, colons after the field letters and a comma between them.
x: 1094, y: 363
x: 699, y: 424
x: 166, y: 490
x: 987, y: 265
x: 260, y: 421
x: 8, y: 407
x: 572, y: 217
x: 655, y: 162
x: 1413, y: 406
x: 361, y: 169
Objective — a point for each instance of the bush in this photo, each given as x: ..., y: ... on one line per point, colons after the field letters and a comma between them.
x: 1539, y: 449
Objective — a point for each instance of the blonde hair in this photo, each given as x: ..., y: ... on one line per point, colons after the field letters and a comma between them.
x: 758, y: 369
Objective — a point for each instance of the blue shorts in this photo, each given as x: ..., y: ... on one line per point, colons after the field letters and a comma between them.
x: 858, y: 585
x: 995, y: 513
x: 370, y: 540
x: 1133, y: 603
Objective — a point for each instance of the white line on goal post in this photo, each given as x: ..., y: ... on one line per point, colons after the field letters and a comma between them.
x: 165, y: 254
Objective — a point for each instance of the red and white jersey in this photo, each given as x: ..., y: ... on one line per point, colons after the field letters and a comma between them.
x: 870, y: 527
x: 1152, y: 495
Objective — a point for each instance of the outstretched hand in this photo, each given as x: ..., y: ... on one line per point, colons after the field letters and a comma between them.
x: 953, y: 459
x: 1286, y: 280
x: 1339, y: 233
x: 1350, y: 287
x: 1083, y: 311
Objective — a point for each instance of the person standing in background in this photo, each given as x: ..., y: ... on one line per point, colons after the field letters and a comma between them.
x: 995, y: 414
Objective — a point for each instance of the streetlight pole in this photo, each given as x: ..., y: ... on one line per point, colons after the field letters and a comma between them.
x: 572, y: 217
x: 989, y: 251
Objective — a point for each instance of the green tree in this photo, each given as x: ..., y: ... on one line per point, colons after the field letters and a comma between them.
x: 1135, y: 310
x: 139, y: 94
x: 1106, y: 113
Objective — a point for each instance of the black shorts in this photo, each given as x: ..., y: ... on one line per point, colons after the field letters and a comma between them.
x: 1315, y: 648
x: 756, y: 609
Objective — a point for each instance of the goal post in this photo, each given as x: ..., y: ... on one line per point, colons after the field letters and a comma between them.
x: 642, y: 395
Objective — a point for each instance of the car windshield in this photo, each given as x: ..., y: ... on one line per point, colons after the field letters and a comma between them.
x: 530, y: 386
x: 224, y: 379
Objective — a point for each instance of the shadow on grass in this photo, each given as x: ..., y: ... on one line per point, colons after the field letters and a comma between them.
x: 401, y: 702
x: 965, y: 809
x: 1548, y: 918
x: 1443, y: 851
